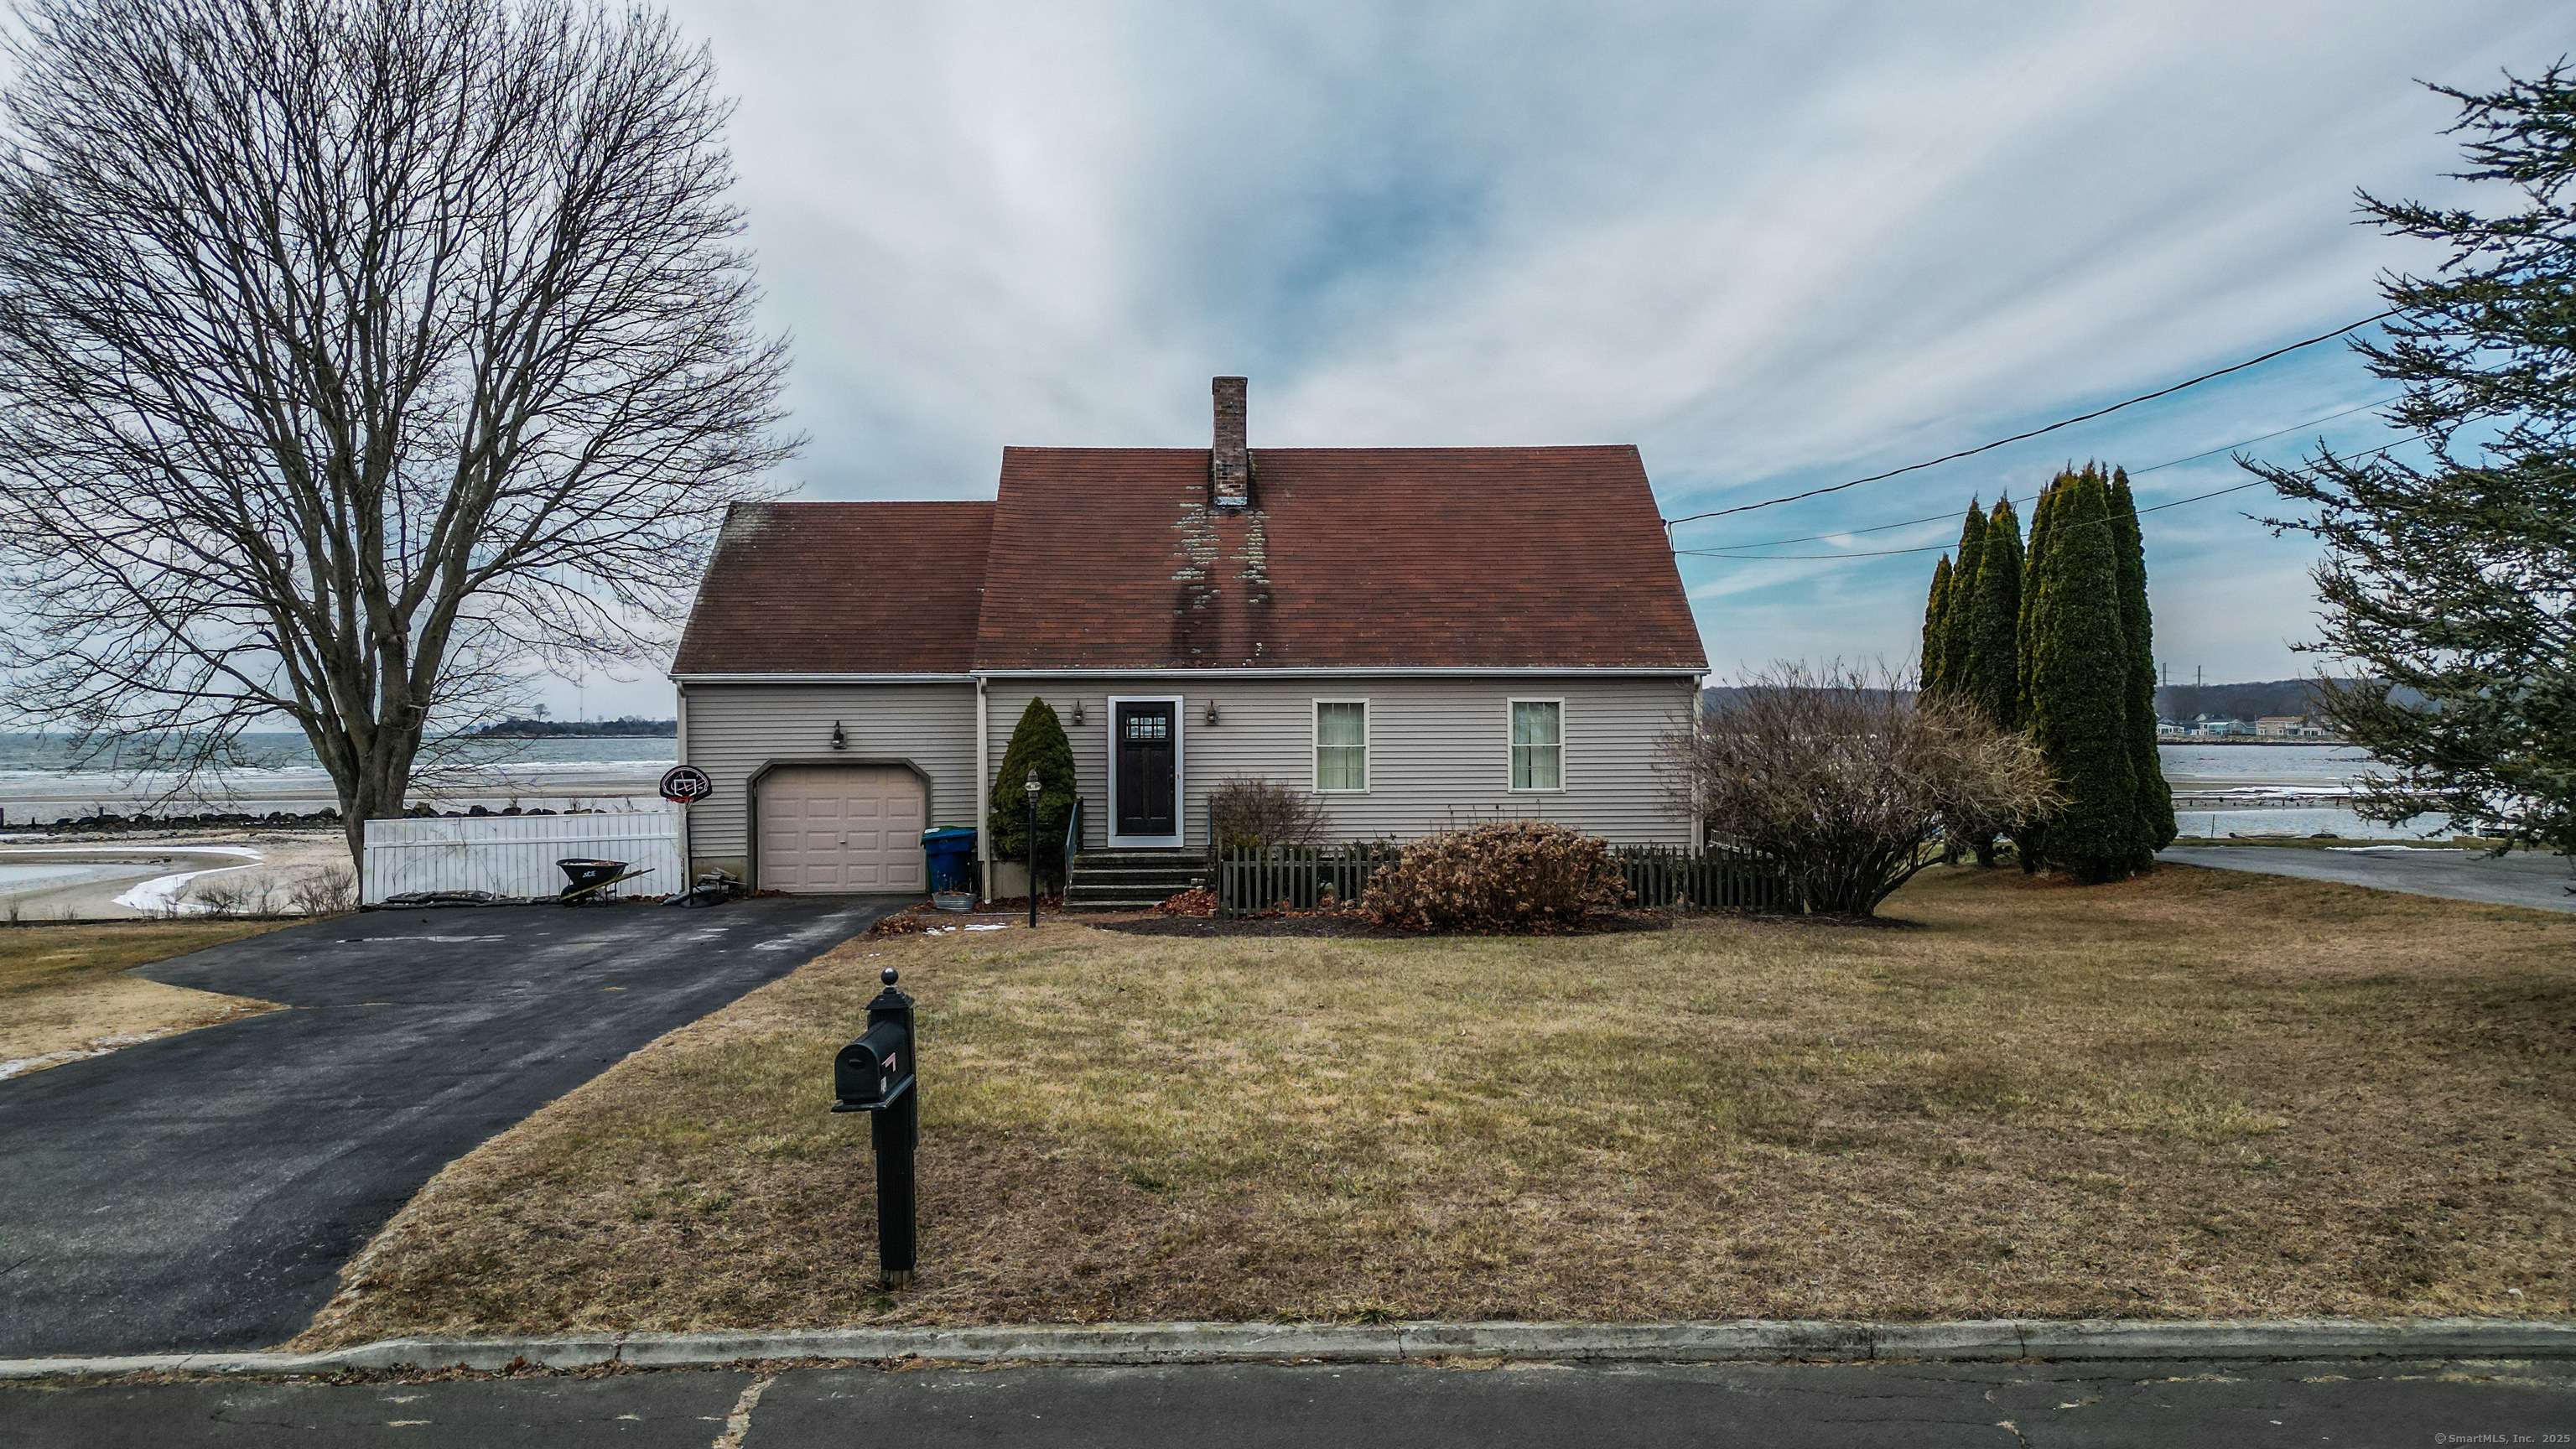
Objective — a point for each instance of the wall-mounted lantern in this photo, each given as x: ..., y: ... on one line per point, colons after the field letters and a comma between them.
x: 1211, y: 714
x: 840, y: 740
x: 1077, y: 712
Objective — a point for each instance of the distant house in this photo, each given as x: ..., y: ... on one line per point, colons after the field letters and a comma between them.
x: 2291, y: 727
x: 1419, y: 636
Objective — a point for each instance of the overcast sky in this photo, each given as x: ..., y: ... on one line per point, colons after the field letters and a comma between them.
x: 1774, y: 249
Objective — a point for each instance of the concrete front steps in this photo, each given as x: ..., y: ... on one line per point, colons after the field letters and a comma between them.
x: 1131, y: 880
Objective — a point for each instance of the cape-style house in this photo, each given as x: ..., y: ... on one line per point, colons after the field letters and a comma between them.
x: 1423, y: 637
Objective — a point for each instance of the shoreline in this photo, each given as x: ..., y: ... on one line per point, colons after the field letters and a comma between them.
x: 151, y: 878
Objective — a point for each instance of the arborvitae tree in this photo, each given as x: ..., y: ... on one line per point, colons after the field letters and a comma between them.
x: 2034, y: 565
x: 1993, y: 679
x: 2030, y: 837
x: 1984, y: 652
x: 2079, y: 684
x: 1936, y: 620
x: 1956, y: 620
x: 1037, y: 743
x: 2137, y: 625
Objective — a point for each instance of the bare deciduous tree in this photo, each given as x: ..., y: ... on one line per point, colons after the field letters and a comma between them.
x: 358, y: 359
x: 1844, y: 778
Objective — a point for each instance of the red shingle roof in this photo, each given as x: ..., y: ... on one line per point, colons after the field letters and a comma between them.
x: 840, y: 588
x: 1437, y: 557
x: 1108, y: 558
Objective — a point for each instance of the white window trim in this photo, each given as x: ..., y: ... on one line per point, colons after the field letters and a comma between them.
x: 1315, y: 743
x: 1180, y: 794
x: 1564, y: 781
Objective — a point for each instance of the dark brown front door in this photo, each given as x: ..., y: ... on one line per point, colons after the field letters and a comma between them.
x: 1146, y: 734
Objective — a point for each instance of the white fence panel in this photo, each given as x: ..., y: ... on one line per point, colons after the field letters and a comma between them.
x: 515, y: 855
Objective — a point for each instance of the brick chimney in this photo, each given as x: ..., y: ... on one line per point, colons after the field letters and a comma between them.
x: 1230, y: 462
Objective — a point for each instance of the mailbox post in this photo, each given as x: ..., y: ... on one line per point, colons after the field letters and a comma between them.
x: 876, y: 1074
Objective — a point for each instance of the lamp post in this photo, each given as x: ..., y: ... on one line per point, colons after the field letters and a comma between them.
x: 1033, y: 849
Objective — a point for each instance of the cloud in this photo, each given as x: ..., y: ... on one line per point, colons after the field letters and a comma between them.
x: 1774, y: 249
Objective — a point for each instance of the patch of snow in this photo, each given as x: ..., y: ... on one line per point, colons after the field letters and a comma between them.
x: 160, y: 895
x: 20, y: 1066
x: 371, y: 940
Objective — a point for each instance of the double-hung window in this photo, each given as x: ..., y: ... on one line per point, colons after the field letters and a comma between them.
x: 1341, y: 744
x: 1538, y: 744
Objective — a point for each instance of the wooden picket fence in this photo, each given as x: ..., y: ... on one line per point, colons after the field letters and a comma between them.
x: 1260, y: 878
x: 1715, y: 879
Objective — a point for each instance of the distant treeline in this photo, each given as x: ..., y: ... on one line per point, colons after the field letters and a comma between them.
x: 2272, y: 698
x: 628, y: 727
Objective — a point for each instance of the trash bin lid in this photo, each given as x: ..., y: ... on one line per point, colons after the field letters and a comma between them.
x: 948, y: 832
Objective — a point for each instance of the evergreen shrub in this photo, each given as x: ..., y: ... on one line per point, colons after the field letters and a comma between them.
x: 1038, y: 743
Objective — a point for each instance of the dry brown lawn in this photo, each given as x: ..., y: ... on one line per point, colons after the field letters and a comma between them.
x: 64, y: 994
x: 2202, y: 1093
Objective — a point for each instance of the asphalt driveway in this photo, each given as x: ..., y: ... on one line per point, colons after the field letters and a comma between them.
x: 202, y: 1191
x: 2538, y: 881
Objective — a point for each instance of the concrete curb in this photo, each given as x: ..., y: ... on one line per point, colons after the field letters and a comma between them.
x: 1738, y: 1341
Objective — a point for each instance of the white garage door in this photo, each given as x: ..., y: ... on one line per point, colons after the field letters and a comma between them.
x: 842, y: 828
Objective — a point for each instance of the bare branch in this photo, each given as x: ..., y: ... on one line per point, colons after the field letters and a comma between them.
x: 359, y: 358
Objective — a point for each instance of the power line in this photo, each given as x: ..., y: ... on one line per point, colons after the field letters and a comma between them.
x: 2134, y: 472
x: 2293, y: 428
x: 1944, y: 548
x: 1671, y: 523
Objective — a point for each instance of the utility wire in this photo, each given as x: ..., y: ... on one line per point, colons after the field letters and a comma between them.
x: 2134, y: 472
x: 1944, y: 547
x: 1671, y: 523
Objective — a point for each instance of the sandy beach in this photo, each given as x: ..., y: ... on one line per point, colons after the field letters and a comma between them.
x: 48, y: 878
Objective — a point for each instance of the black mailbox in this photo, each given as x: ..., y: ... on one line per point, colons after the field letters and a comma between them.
x: 873, y: 1071
x: 876, y: 1075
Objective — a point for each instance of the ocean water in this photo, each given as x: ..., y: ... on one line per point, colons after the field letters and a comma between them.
x: 19, y: 876
x: 37, y: 783
x: 2320, y: 774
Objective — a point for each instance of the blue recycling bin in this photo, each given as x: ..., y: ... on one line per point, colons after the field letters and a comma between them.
x: 951, y: 852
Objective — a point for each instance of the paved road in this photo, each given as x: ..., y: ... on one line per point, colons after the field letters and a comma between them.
x: 2008, y: 1406
x: 202, y: 1191
x: 2462, y: 875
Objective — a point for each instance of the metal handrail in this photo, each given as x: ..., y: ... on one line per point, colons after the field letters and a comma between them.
x: 1072, y: 840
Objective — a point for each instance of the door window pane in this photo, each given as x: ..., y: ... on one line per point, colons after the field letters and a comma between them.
x: 1538, y: 745
x: 1341, y: 745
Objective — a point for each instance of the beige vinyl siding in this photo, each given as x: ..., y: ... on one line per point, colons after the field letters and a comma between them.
x: 1439, y: 748
x: 736, y: 731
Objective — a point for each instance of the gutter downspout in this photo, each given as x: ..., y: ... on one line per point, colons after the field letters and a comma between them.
x: 983, y: 796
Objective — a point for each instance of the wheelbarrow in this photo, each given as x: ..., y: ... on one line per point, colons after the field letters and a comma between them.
x: 590, y: 877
